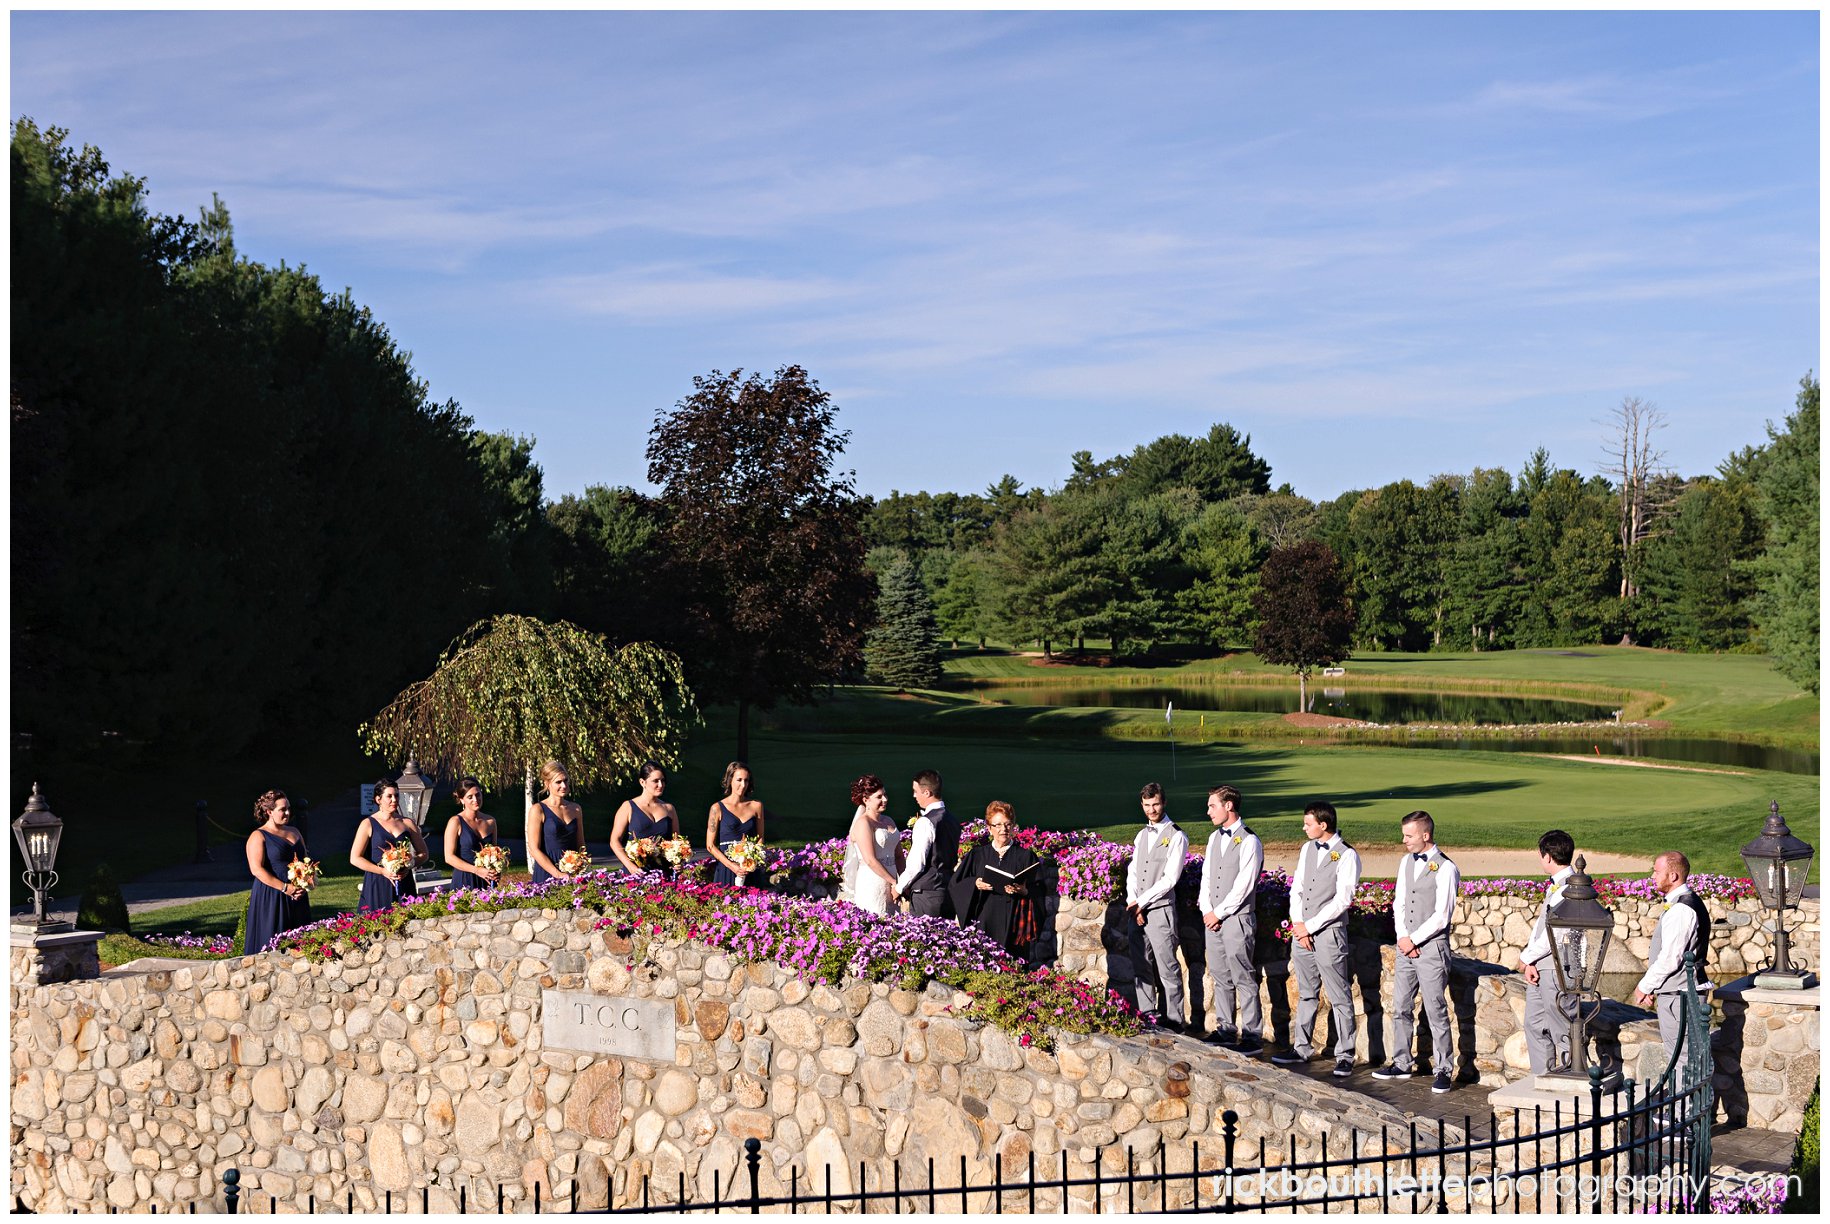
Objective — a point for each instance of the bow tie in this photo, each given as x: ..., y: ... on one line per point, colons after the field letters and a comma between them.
x: 1420, y: 857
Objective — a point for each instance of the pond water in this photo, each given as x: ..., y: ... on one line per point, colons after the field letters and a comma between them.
x: 1390, y: 706
x: 1398, y: 707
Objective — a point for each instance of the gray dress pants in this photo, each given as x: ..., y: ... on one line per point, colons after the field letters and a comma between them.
x: 1546, y: 1027
x: 1153, y: 959
x: 1323, y: 966
x: 1235, y: 977
x: 1429, y: 969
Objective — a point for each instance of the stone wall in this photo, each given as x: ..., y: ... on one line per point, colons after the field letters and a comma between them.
x: 421, y: 1062
x: 1766, y: 1052
x: 63, y: 957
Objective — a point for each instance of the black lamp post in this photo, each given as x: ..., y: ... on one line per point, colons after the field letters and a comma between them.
x: 1778, y: 863
x: 1580, y: 930
x: 415, y: 805
x: 38, y: 832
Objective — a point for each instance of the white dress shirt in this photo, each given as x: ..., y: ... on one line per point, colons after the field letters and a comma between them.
x: 1448, y: 890
x: 1676, y: 927
x: 1347, y: 878
x: 1251, y: 866
x: 1178, y: 856
x: 1538, y: 947
x: 921, y: 844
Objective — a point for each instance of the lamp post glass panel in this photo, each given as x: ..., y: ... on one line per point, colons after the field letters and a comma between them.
x: 38, y: 833
x: 1580, y: 929
x: 415, y: 804
x: 1778, y: 864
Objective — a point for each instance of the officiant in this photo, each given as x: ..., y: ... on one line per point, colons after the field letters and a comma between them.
x: 994, y: 884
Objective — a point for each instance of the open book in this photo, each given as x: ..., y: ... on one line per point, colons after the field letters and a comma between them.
x: 997, y: 875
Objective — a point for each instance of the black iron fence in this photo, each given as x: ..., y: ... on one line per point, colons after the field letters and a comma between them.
x: 1645, y: 1148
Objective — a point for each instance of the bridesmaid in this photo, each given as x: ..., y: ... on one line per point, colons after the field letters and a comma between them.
x: 647, y: 815
x: 387, y: 827
x: 731, y: 819
x: 554, y: 825
x: 466, y: 833
x: 274, y: 903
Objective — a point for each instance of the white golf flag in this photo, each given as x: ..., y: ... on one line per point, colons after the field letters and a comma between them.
x: 1169, y: 714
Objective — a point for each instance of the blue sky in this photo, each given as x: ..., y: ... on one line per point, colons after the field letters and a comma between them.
x: 1384, y: 245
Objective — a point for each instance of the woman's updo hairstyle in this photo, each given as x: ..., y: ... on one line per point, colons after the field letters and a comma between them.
x: 385, y: 783
x: 648, y: 770
x: 463, y: 786
x: 263, y: 807
x: 864, y: 788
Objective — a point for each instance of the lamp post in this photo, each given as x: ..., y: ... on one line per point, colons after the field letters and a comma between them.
x: 416, y: 804
x: 1778, y: 863
x: 1580, y: 928
x: 38, y: 832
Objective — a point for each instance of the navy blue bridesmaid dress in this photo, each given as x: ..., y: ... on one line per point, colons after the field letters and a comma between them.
x: 270, y: 910
x: 469, y: 842
x: 379, y: 892
x: 642, y: 825
x: 556, y: 837
x: 731, y: 831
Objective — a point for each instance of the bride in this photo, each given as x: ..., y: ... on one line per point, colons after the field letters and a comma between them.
x: 873, y: 852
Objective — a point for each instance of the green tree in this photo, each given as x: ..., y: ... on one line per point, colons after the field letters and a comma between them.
x: 520, y: 540
x: 1304, y: 618
x: 607, y: 551
x: 1050, y: 576
x: 775, y: 598
x: 1402, y: 540
x: 964, y: 604
x: 1694, y: 580
x: 1226, y: 553
x: 904, y: 648
x: 1217, y: 467
x: 513, y: 691
x: 1785, y: 604
x: 1485, y: 585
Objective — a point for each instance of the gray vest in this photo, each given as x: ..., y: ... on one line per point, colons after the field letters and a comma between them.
x: 1699, y: 945
x: 1322, y: 879
x: 1225, y: 871
x: 1424, y: 893
x: 1153, y: 861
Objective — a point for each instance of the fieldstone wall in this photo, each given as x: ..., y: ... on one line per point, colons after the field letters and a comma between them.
x: 41, y: 959
x: 420, y: 1062
x: 1766, y: 1052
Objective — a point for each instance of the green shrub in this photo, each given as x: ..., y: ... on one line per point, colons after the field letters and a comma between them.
x: 103, y: 908
x: 241, y: 932
x: 1805, y: 1160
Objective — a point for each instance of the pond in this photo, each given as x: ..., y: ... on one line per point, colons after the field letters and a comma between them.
x: 1398, y: 707
x: 1390, y: 706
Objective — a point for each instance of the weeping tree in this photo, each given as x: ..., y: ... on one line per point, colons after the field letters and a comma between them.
x: 512, y: 691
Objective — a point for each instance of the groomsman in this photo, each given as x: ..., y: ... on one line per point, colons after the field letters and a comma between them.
x: 1546, y: 1026
x: 1157, y: 857
x: 1682, y: 928
x: 1428, y: 885
x: 1327, y: 872
x: 1229, y: 911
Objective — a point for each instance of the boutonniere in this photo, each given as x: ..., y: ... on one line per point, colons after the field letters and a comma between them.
x: 1238, y: 840
x: 1667, y: 905
x: 1163, y: 841
x: 1435, y: 866
x: 1334, y: 856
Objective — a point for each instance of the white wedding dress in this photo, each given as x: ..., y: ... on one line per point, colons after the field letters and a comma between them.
x: 864, y: 888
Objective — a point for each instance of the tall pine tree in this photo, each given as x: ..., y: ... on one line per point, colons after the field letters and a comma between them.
x: 904, y: 648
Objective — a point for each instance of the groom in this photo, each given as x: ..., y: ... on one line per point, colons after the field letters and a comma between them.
x: 932, y: 852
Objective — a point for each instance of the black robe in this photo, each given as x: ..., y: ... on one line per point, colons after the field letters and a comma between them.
x: 994, y: 911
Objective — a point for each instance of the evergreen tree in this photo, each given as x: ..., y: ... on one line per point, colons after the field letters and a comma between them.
x: 1786, y: 604
x: 904, y: 648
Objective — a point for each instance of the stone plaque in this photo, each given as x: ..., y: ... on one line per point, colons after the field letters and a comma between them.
x: 602, y: 1024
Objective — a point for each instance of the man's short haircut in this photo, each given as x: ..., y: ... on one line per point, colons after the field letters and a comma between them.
x: 1675, y: 858
x: 1559, y: 845
x: 1228, y: 795
x: 1421, y: 816
x: 1152, y: 790
x: 1323, y: 811
x: 929, y: 781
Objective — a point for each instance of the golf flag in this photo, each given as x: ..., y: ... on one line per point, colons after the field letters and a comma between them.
x: 1169, y: 713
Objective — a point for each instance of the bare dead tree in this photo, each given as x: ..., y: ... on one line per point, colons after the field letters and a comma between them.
x: 1636, y: 467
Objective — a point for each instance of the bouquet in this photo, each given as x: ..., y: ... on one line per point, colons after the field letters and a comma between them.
x: 748, y: 854
x: 493, y: 859
x: 397, y: 860
x: 676, y: 849
x: 642, y: 849
x: 304, y: 873
x: 571, y: 862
